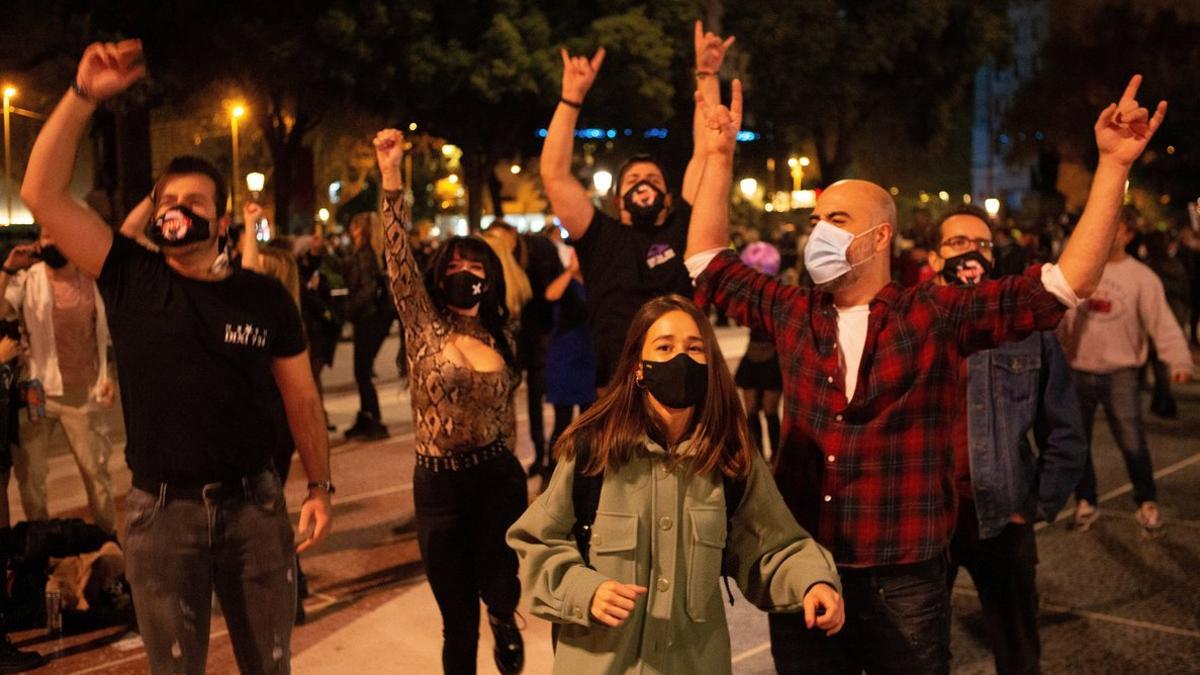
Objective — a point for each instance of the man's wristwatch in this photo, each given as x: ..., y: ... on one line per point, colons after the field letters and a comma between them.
x: 326, y: 485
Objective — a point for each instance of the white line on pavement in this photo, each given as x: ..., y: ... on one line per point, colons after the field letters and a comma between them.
x: 1126, y: 488
x: 753, y: 651
x: 1108, y: 618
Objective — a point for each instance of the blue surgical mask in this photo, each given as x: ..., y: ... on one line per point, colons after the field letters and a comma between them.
x: 825, y: 253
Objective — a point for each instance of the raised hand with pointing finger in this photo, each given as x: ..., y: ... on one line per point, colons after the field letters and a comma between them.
x: 721, y: 124
x: 579, y: 73
x: 1124, y: 127
x: 710, y: 50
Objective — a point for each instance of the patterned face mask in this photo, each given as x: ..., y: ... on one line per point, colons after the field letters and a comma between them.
x: 644, y: 202
x: 178, y: 226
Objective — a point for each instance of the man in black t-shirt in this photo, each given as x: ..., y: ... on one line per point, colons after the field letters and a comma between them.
x: 638, y: 255
x: 204, y: 353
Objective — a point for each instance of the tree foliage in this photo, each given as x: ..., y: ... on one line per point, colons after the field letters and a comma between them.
x: 1094, y: 48
x: 825, y: 71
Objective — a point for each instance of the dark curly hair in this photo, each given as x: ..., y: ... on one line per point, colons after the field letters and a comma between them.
x: 493, y: 313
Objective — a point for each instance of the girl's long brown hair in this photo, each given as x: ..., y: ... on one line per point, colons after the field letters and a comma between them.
x: 614, y: 426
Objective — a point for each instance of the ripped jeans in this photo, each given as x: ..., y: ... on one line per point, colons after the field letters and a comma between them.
x: 236, y: 540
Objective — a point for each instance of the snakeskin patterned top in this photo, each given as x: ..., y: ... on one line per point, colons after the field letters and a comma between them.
x: 455, y: 408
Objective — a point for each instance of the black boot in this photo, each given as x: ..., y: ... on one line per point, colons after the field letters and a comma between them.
x: 510, y: 648
x: 356, y: 429
x: 13, y: 660
x: 373, y: 429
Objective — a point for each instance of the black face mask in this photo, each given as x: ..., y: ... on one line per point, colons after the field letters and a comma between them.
x: 967, y: 269
x: 681, y: 382
x: 644, y: 202
x: 179, y: 226
x: 463, y: 289
x: 53, y: 257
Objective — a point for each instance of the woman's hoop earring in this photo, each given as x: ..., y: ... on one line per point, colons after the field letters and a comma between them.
x: 639, y: 383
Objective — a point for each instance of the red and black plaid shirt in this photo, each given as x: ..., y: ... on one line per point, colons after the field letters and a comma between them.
x: 872, y: 478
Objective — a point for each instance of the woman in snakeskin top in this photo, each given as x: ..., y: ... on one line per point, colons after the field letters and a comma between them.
x: 468, y: 486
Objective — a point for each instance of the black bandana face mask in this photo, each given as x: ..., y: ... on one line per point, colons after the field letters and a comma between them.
x: 644, y: 202
x: 178, y: 226
x: 53, y: 257
x: 681, y: 382
x: 463, y: 289
x: 967, y: 269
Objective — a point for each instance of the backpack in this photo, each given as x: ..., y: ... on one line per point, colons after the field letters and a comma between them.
x: 585, y: 497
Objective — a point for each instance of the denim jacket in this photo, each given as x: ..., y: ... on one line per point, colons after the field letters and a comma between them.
x: 1013, y: 389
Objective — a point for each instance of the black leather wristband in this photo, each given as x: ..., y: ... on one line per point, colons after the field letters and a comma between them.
x: 578, y: 105
x: 81, y: 92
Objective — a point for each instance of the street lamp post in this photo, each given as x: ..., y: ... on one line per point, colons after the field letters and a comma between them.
x: 235, y: 114
x: 9, y: 92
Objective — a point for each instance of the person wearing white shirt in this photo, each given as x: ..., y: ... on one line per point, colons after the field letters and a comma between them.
x: 67, y: 332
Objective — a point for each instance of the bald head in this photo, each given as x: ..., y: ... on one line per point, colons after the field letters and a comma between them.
x: 873, y: 204
x: 855, y: 206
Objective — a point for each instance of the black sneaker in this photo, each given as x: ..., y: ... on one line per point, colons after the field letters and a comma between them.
x: 360, y: 425
x: 374, y: 431
x: 13, y: 660
x: 510, y: 648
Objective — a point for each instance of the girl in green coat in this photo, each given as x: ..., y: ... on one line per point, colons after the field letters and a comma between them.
x: 667, y: 436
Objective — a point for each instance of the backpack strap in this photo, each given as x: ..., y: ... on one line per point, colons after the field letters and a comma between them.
x: 585, y: 498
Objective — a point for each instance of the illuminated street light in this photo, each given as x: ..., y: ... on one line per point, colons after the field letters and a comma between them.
x: 412, y: 127
x: 255, y: 182
x: 749, y: 187
x: 453, y: 178
x: 992, y: 206
x: 797, y: 165
x: 603, y: 181
x: 944, y: 196
x: 9, y: 93
x: 236, y: 113
x: 323, y: 215
x: 515, y: 169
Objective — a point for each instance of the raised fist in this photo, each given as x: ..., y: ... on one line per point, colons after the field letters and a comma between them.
x: 109, y: 68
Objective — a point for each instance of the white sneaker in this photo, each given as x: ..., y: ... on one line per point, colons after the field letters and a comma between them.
x: 1149, y: 517
x: 1085, y: 515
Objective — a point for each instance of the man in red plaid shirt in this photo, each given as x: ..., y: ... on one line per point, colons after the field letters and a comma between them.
x: 870, y: 379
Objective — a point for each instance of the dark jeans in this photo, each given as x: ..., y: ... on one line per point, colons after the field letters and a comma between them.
x: 897, y: 621
x: 1004, y: 569
x: 1118, y: 394
x: 369, y: 334
x: 462, y: 517
x: 177, y: 551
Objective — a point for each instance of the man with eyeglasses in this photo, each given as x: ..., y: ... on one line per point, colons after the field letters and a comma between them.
x: 870, y: 386
x: 1003, y: 487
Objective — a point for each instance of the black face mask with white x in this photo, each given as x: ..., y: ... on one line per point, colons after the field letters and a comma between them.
x: 463, y: 289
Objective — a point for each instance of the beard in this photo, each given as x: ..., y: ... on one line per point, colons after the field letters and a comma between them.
x: 844, y: 281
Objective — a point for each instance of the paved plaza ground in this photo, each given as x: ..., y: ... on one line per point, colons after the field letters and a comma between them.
x: 1112, y: 600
